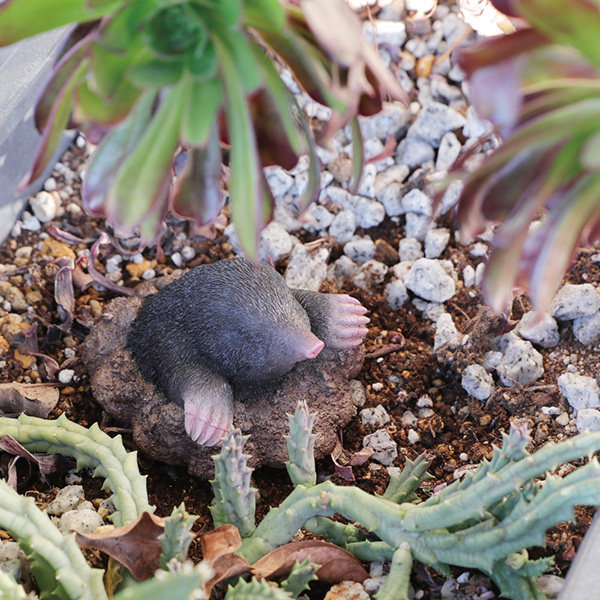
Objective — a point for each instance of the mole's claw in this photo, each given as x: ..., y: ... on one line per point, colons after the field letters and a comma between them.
x: 207, y: 419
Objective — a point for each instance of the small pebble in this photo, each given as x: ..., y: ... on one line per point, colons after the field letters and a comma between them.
x: 66, y: 375
x: 374, y: 417
x: 188, y: 253
x: 412, y: 436
x: 386, y: 449
x: 573, y: 301
x: 477, y: 382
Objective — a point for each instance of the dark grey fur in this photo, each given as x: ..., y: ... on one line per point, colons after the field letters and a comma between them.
x: 233, y: 317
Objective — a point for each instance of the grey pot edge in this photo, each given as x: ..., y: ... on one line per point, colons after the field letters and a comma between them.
x: 24, y: 67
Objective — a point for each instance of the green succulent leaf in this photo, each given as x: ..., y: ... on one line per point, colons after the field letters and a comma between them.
x: 202, y: 64
x: 202, y: 104
x: 245, y: 183
x: 109, y: 67
x: 265, y: 15
x: 122, y: 31
x: 183, y: 586
x: 90, y: 106
x: 572, y: 22
x: 358, y: 154
x: 114, y: 150
x: 155, y: 73
x: 20, y: 19
x: 143, y: 180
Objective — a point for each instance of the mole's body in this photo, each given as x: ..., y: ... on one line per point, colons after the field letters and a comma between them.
x: 233, y: 323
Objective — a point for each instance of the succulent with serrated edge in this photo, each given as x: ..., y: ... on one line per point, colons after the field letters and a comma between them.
x: 176, y: 539
x: 300, y: 444
x: 300, y: 576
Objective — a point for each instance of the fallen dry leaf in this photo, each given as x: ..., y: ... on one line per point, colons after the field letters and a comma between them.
x: 34, y: 399
x: 135, y: 545
x: 335, y: 563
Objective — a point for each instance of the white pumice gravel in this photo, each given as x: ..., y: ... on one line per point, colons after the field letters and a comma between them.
x: 369, y: 275
x: 580, y: 391
x: 445, y: 332
x: 588, y: 419
x: 436, y: 241
x: 521, y: 363
x: 396, y: 294
x: 307, y: 268
x: 360, y: 249
x: 44, y: 206
x: 587, y: 329
x: 477, y: 382
x: 573, y: 301
x: 80, y: 521
x: 410, y: 248
x: 429, y: 280
x: 538, y: 328
x: 68, y: 498
x: 343, y: 226
x: 375, y: 417
x: 386, y: 449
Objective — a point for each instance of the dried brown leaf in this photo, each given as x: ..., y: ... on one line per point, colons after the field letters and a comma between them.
x: 135, y: 545
x: 34, y: 399
x: 335, y: 563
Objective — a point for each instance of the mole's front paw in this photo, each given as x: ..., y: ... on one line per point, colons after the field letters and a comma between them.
x: 207, y: 420
x: 347, y: 325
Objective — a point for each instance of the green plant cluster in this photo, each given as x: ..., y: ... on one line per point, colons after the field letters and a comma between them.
x: 147, y: 78
x: 484, y: 521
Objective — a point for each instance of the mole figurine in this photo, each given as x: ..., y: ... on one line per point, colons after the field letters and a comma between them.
x: 232, y: 324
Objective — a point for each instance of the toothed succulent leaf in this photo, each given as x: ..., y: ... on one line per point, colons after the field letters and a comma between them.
x: 60, y: 569
x: 300, y: 576
x: 301, y: 443
x: 90, y: 448
x: 255, y: 590
x: 235, y: 497
x: 176, y: 539
x: 402, y: 488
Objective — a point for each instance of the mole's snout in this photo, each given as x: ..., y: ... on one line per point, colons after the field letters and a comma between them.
x: 316, y: 348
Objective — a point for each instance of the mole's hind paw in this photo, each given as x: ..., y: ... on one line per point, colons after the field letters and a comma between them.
x: 207, y: 419
x: 347, y: 322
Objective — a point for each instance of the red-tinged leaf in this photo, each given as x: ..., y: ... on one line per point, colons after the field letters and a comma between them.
x: 60, y: 81
x: 507, y: 7
x: 551, y: 247
x: 245, y: 183
x: 196, y: 193
x: 90, y: 106
x: 202, y: 104
x: 361, y: 457
x: 73, y: 37
x: 110, y: 155
x: 26, y: 340
x: 273, y: 145
x: 35, y: 399
x: 142, y: 182
x: 492, y: 50
x: 135, y: 545
x: 335, y: 563
x: 20, y: 19
x: 536, y: 103
x: 572, y: 22
x: 97, y: 276
x: 358, y: 154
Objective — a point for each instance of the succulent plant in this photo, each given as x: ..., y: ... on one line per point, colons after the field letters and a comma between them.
x: 540, y: 86
x: 148, y: 77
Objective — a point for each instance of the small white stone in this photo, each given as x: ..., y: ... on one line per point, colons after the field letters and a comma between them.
x: 424, y: 402
x: 66, y: 375
x: 408, y: 418
x: 580, y: 391
x: 342, y: 270
x: 402, y: 269
x: 588, y: 419
x: 412, y: 436
x: 418, y: 202
x: 385, y: 32
x: 392, y: 120
x: 177, y: 259
x: 307, y: 269
x: 479, y: 271
x: 358, y: 393
x: 188, y: 253
x: 573, y: 301
x: 360, y: 250
x: 409, y: 248
x: 50, y: 184
x: 477, y: 382
x: 417, y: 225
x: 429, y: 280
x: 30, y: 222
x: 44, y: 206
x: 414, y: 152
x: 374, y: 417
x: 587, y: 329
x: 478, y: 250
x: 369, y: 275
x: 377, y: 386
x: 445, y: 332
x: 521, y: 363
x: 67, y: 499
x: 538, y: 328
x: 386, y: 449
x: 469, y: 276
x: 148, y: 274
x: 434, y: 121
x: 275, y: 243
x: 436, y: 241
x: 81, y: 521
x: 367, y: 181
x: 396, y: 294
x: 137, y: 258
x: 448, y: 151
x: 343, y: 226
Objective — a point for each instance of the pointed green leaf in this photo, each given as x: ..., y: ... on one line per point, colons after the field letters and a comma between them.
x: 313, y: 186
x: 92, y: 107
x: 142, y: 182
x: 20, y: 19
x: 244, y: 64
x: 155, y: 73
x: 109, y: 66
x: 122, y: 30
x: 115, y: 148
x: 202, y: 104
x: 245, y: 179
x: 265, y: 15
x: 572, y: 22
x: 202, y: 64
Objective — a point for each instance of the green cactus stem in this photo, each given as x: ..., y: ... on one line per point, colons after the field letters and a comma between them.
x: 60, y: 569
x: 398, y: 580
x: 301, y: 443
x: 176, y: 539
x: 255, y: 590
x: 234, y: 496
x: 10, y: 589
x: 402, y: 488
x: 300, y: 576
x: 90, y: 448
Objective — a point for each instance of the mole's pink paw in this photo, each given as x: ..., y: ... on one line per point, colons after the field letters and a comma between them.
x: 207, y: 420
x: 347, y: 325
